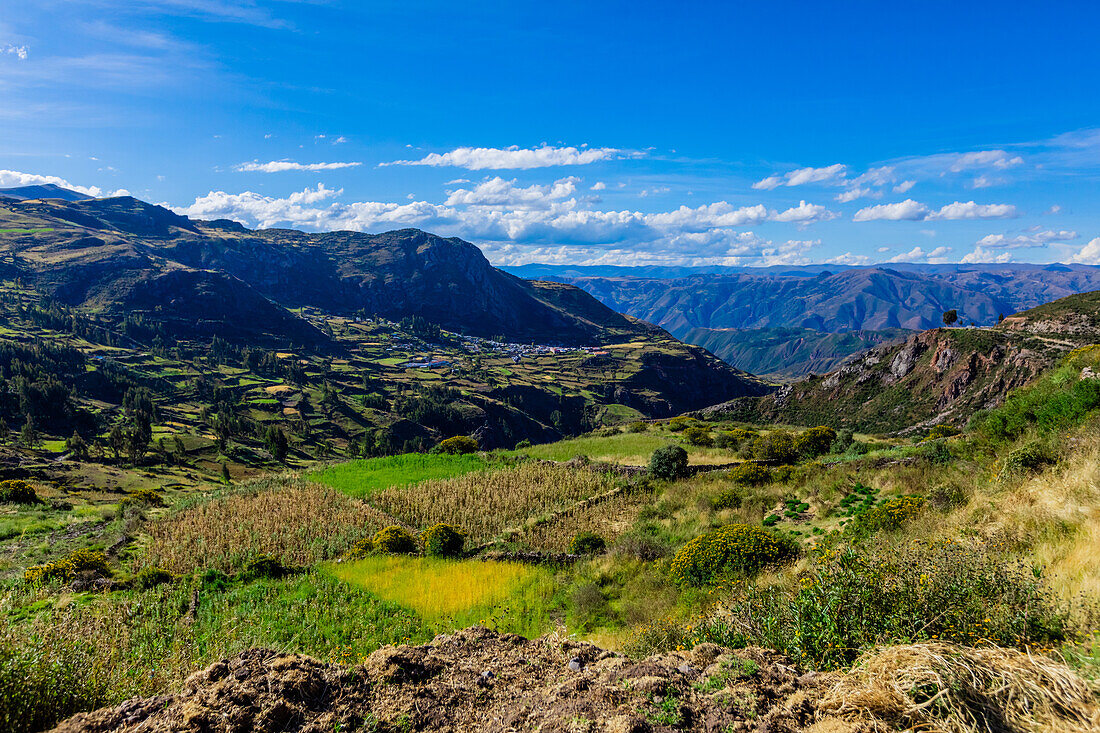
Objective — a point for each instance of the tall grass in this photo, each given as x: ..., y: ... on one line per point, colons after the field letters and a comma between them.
x: 297, y: 521
x: 105, y: 649
x: 608, y: 519
x: 486, y: 503
x: 454, y: 594
x: 361, y: 478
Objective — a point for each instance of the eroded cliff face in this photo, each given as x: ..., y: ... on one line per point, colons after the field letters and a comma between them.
x: 933, y: 377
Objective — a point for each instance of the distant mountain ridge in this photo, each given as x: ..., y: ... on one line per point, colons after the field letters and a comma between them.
x: 42, y: 191
x: 836, y: 300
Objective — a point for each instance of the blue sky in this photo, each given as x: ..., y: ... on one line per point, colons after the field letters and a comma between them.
x: 624, y: 133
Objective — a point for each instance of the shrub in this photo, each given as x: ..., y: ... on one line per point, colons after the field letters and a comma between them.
x: 777, y: 446
x: 458, y: 445
x: 771, y: 520
x: 443, y: 540
x: 17, y: 492
x: 1027, y: 458
x: 946, y: 591
x: 150, y: 577
x: 394, y: 540
x: 144, y: 497
x: 698, y: 436
x: 68, y: 567
x: 750, y: 474
x: 889, y: 515
x: 587, y: 543
x: 815, y: 441
x: 523, y: 444
x: 727, y: 499
x: 735, y: 548
x: 843, y: 441
x: 669, y: 462
x: 942, y: 431
x: 637, y: 427
x: 677, y: 424
x: 266, y: 566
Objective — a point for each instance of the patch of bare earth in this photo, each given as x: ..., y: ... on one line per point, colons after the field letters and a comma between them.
x: 479, y: 680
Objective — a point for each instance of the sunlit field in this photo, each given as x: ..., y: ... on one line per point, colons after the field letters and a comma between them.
x: 364, y: 477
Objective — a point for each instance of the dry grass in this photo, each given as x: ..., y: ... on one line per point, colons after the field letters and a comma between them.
x: 486, y: 503
x: 609, y: 519
x: 297, y: 521
x: 941, y: 687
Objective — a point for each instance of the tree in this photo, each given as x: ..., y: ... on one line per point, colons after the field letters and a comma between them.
x: 77, y: 447
x: 951, y: 317
x: 458, y: 445
x: 226, y: 478
x: 276, y: 442
x: 669, y: 462
x: 815, y: 441
x: 29, y: 434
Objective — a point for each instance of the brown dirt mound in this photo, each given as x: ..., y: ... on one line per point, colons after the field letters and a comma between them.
x: 479, y: 680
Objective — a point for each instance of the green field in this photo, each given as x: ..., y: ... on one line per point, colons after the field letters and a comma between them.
x: 455, y: 594
x: 365, y: 476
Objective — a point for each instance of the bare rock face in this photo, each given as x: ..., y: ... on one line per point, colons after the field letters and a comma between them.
x: 478, y: 680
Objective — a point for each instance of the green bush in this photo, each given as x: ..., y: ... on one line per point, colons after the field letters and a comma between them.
x: 523, y: 444
x: 854, y: 599
x: 587, y: 543
x: 735, y: 548
x: 750, y: 474
x: 443, y: 540
x: 777, y: 446
x: 638, y: 427
x: 1027, y: 458
x: 888, y: 516
x: 727, y: 499
x: 771, y: 520
x: 843, y: 441
x: 815, y: 441
x: 942, y: 431
x: 150, y: 578
x: 266, y: 566
x: 677, y: 424
x: 698, y: 436
x: 68, y: 567
x: 17, y: 492
x: 669, y: 462
x: 144, y: 497
x: 394, y: 540
x: 458, y: 445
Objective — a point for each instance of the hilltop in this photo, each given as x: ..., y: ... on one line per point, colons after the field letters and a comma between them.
x: 942, y: 375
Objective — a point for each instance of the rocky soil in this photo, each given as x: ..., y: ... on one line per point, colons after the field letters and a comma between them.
x: 478, y: 680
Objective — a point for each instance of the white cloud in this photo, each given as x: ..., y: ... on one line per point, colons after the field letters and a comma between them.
x: 848, y: 259
x: 280, y: 166
x: 599, y: 186
x: 857, y: 193
x: 1027, y: 239
x: 804, y: 213
x: 904, y: 186
x: 13, y: 179
x: 907, y: 210
x: 985, y: 256
x: 504, y: 193
x: 997, y: 159
x: 656, y: 191
x: 829, y: 174
x: 1088, y: 255
x: 910, y: 210
x: 518, y: 158
x: 340, y: 140
x: 20, y: 52
x: 917, y: 254
x: 1053, y: 209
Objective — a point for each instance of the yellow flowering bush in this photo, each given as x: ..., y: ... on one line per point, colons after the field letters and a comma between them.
x: 888, y: 515
x: 17, y: 492
x: 735, y: 548
x: 66, y: 568
x: 443, y: 540
x: 395, y: 541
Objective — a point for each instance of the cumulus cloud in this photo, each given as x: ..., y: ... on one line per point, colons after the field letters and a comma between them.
x: 13, y: 179
x: 981, y: 255
x: 280, y: 166
x: 1089, y: 254
x: 904, y: 186
x: 910, y: 210
x: 857, y: 193
x: 500, y: 192
x: 1027, y: 239
x: 829, y: 174
x: 917, y: 254
x: 20, y: 52
x: 848, y: 259
x: 599, y: 186
x: 515, y: 157
x: 997, y: 159
x: 804, y: 213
